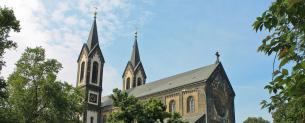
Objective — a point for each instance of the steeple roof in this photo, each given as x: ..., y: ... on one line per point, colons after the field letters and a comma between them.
x: 93, y: 36
x: 135, y: 56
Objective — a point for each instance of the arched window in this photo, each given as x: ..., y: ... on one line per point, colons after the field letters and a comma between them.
x: 94, y: 72
x: 127, y: 83
x: 91, y: 119
x: 172, y: 106
x: 139, y: 81
x: 82, y: 71
x: 190, y: 104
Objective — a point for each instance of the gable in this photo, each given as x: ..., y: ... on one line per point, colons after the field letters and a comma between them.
x: 128, y: 67
x: 140, y: 67
x: 220, y: 81
x: 83, y: 51
x: 96, y: 50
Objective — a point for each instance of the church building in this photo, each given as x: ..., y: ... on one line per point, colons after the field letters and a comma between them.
x: 202, y: 95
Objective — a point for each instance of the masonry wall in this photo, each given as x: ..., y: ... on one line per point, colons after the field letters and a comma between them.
x: 179, y: 95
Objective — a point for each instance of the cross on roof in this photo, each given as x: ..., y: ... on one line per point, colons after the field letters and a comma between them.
x: 217, y: 56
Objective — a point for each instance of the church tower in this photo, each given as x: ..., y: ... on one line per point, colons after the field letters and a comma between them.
x: 134, y: 74
x: 90, y: 75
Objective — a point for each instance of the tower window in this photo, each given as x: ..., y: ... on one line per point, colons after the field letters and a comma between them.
x: 95, y: 72
x: 91, y: 119
x: 190, y: 104
x: 82, y: 71
x: 127, y: 83
x: 139, y: 81
x: 172, y: 106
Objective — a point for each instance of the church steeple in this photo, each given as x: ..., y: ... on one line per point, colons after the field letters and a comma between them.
x: 90, y: 75
x: 93, y: 35
x: 134, y: 74
x: 135, y: 56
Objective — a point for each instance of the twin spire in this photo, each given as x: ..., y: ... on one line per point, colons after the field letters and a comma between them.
x: 135, y: 56
x: 93, y: 40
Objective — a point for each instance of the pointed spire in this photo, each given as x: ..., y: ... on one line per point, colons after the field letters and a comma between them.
x: 93, y: 35
x: 217, y: 57
x: 135, y: 56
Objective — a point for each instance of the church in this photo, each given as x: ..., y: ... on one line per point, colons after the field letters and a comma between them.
x: 202, y: 95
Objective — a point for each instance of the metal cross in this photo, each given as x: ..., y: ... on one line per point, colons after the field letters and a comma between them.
x: 217, y: 56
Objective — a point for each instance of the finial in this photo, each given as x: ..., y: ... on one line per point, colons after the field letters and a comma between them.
x: 217, y: 57
x: 95, y: 12
x: 136, y: 34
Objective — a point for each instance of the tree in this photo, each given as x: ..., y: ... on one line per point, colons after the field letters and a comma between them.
x: 175, y: 118
x: 256, y: 120
x: 129, y: 109
x: 285, y: 22
x: 8, y: 22
x: 36, y: 96
x: 154, y: 110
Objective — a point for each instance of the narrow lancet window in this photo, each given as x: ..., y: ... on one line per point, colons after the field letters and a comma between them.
x: 190, y: 104
x: 127, y: 83
x: 95, y: 72
x: 172, y: 106
x: 82, y: 71
x: 139, y: 81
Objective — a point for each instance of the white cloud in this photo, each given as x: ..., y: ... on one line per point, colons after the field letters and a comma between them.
x: 59, y: 12
x: 70, y: 20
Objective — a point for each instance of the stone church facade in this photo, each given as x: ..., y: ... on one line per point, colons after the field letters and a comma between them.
x: 202, y: 95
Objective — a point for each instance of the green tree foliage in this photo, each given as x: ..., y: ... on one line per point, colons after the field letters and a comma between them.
x: 285, y: 22
x: 36, y: 96
x: 8, y: 22
x: 130, y: 109
x: 255, y: 120
x: 175, y: 118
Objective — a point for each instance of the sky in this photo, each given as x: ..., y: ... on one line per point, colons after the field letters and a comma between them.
x: 174, y: 36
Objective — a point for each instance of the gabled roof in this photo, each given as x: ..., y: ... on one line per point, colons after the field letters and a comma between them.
x: 99, y: 51
x: 126, y: 67
x: 226, y: 77
x: 93, y: 36
x: 189, y: 77
x: 84, y: 47
x: 140, y: 67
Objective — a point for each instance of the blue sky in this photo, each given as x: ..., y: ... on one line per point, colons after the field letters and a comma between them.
x: 174, y: 36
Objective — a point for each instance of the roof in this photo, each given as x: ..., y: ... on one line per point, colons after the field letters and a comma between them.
x: 135, y: 60
x: 135, y: 56
x: 196, y: 75
x: 93, y: 36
